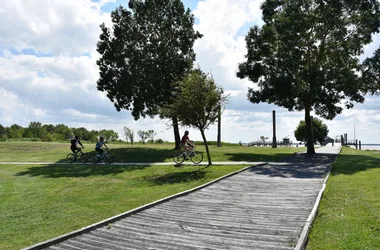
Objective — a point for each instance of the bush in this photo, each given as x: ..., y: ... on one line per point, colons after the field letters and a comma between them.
x: 159, y: 141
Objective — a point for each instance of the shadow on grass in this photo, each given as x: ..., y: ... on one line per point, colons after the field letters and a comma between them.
x: 179, y: 177
x: 357, y: 162
x: 255, y: 157
x: 137, y: 154
x: 78, y: 170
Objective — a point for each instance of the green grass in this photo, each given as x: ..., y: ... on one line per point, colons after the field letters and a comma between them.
x: 39, y: 202
x: 57, y: 152
x: 349, y: 213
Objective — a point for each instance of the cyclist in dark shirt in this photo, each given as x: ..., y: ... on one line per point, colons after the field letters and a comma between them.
x: 74, y: 144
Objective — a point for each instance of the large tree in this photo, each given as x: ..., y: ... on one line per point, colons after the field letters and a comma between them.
x: 320, y: 131
x: 198, y: 103
x: 305, y: 56
x: 149, y: 47
x: 371, y: 73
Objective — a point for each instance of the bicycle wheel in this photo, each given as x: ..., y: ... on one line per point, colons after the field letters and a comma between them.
x: 70, y: 158
x: 196, y: 157
x: 82, y: 157
x: 109, y: 158
x: 95, y: 159
x: 179, y: 157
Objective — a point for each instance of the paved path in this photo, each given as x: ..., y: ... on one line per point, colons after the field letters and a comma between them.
x: 268, y: 206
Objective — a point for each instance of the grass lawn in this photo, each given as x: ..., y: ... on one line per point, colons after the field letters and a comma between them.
x: 39, y: 202
x: 349, y: 213
x: 57, y: 152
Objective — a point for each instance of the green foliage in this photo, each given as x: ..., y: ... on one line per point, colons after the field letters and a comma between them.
x: 320, y: 131
x: 35, y: 129
x: 129, y: 135
x: 143, y: 135
x: 3, y: 133
x: 371, y: 73
x: 198, y: 100
x: 150, y: 135
x: 159, y: 141
x: 197, y: 103
x: 15, y: 131
x: 305, y: 56
x: 149, y: 47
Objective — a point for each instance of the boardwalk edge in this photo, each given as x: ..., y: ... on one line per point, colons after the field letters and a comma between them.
x: 301, y: 244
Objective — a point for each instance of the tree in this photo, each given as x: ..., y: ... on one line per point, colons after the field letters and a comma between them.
x: 129, y: 135
x: 63, y: 132
x: 143, y: 135
x: 150, y: 135
x: 15, y: 131
x: 263, y: 138
x: 371, y: 73
x: 35, y: 128
x: 109, y: 135
x: 149, y: 48
x: 199, y: 103
x: 3, y: 133
x: 320, y: 131
x: 305, y: 56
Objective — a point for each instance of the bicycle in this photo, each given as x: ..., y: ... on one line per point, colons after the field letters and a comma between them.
x: 79, y: 154
x: 105, y: 157
x: 195, y: 156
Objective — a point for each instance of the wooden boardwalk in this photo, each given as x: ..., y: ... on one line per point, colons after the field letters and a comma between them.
x: 263, y: 207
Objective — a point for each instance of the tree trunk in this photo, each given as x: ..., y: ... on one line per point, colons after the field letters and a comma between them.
x: 206, y: 145
x: 176, y: 133
x: 219, y: 139
x: 309, y: 132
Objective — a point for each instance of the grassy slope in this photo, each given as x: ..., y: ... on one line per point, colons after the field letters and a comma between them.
x: 57, y: 152
x: 349, y: 213
x: 38, y: 202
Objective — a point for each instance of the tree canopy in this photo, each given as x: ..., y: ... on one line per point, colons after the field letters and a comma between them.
x: 198, y: 103
x: 371, y: 73
x: 306, y: 55
x: 320, y: 131
x: 149, y: 47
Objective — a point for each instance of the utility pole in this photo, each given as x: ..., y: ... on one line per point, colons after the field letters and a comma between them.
x: 274, y: 141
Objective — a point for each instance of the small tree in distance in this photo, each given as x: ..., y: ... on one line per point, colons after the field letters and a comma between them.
x: 143, y: 135
x: 263, y: 138
x: 198, y: 103
x: 320, y: 131
x: 129, y: 135
x: 150, y: 135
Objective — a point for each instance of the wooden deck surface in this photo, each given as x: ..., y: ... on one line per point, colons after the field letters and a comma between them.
x: 263, y: 207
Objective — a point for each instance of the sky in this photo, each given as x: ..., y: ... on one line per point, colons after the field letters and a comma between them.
x: 48, y: 72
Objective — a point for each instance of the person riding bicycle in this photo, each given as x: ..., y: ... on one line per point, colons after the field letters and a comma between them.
x: 99, y: 145
x: 74, y: 144
x: 186, y: 144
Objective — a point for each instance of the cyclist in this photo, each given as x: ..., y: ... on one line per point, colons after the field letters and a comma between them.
x: 99, y: 145
x: 186, y: 144
x: 74, y: 144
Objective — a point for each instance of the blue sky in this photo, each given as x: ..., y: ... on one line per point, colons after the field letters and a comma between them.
x: 48, y: 71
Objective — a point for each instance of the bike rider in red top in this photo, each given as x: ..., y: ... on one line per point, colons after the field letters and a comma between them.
x: 186, y: 143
